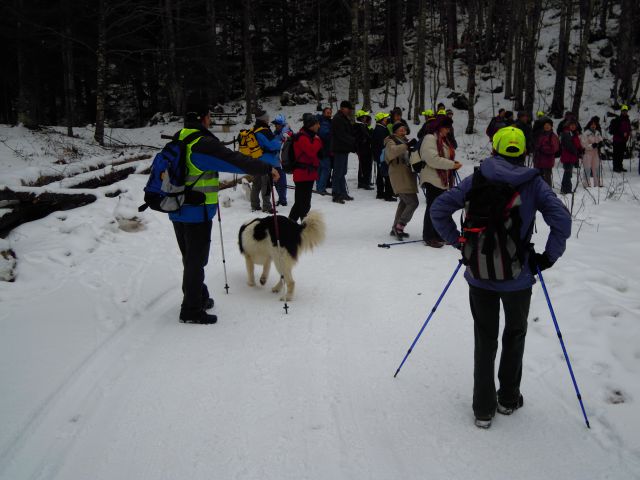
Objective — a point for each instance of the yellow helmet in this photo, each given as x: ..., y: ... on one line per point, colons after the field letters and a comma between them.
x: 624, y: 108
x: 540, y: 114
x: 427, y: 113
x: 380, y: 115
x: 510, y: 142
x: 442, y: 112
x: 362, y: 113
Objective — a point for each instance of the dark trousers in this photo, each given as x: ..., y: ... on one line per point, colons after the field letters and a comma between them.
x: 485, y: 308
x: 281, y: 186
x: 339, y: 187
x: 365, y: 166
x: 618, y: 155
x: 383, y: 183
x: 547, y: 175
x: 428, y: 232
x: 194, y: 240
x: 302, y: 203
x: 566, y: 186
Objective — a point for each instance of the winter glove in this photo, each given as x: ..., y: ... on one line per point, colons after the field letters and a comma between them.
x: 412, y: 144
x: 417, y: 167
x: 539, y: 260
x: 595, y: 145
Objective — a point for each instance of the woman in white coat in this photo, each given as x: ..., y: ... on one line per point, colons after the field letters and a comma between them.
x: 591, y: 140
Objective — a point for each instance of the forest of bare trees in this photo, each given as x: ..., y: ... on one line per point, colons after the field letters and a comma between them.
x: 119, y: 62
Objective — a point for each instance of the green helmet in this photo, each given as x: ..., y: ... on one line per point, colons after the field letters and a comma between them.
x: 442, y: 112
x: 427, y: 113
x: 380, y: 115
x: 624, y: 108
x: 362, y: 113
x: 510, y: 142
x: 539, y: 114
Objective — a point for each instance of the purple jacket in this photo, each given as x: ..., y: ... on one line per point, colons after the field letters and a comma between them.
x: 547, y: 144
x: 622, y: 133
x: 535, y: 195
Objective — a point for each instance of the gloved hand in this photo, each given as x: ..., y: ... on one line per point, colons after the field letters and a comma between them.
x: 412, y: 144
x: 595, y: 145
x: 417, y: 167
x: 540, y: 260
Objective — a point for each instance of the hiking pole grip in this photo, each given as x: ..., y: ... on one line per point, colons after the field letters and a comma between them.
x: 433, y: 310
x: 564, y: 350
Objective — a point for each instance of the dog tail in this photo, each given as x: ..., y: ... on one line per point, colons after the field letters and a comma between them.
x: 313, y: 230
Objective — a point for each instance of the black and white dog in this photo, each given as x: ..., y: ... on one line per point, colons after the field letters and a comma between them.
x: 258, y: 244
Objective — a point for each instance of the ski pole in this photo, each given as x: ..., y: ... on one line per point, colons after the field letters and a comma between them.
x: 389, y: 245
x: 277, y: 230
x: 224, y: 260
x: 564, y: 350
x: 433, y: 310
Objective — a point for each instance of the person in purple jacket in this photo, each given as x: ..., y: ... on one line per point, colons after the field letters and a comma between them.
x: 515, y: 294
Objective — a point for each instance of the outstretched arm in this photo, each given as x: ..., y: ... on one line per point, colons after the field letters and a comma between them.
x: 208, y: 153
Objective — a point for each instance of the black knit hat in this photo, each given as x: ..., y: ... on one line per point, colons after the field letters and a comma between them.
x: 309, y: 120
x: 443, y: 121
x: 346, y: 104
x: 396, y: 126
x: 197, y: 109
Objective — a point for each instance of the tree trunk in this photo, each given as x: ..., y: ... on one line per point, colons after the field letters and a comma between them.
x: 399, y: 42
x: 284, y: 48
x: 25, y: 105
x: 249, y: 81
x: 101, y: 71
x: 603, y: 17
x: 366, y: 81
x: 587, y: 13
x: 533, y: 15
x: 213, y: 68
x: 353, y: 74
x: 67, y: 62
x: 508, y: 68
x: 625, y: 49
x: 518, y: 35
x: 452, y: 24
x: 174, y: 88
x: 419, y: 65
x: 471, y: 64
x: 557, y: 104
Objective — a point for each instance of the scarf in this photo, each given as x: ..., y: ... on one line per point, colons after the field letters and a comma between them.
x: 446, y: 176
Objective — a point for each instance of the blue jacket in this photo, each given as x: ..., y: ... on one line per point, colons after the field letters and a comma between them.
x: 535, y: 195
x: 269, y: 143
x: 209, y: 154
x: 325, y: 134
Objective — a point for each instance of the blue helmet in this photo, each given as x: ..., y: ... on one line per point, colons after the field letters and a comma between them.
x: 279, y: 120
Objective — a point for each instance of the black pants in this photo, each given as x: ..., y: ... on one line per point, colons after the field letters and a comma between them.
x: 485, y: 308
x: 428, y: 232
x: 194, y: 240
x: 302, y: 203
x: 365, y: 166
x: 618, y: 155
x: 383, y: 186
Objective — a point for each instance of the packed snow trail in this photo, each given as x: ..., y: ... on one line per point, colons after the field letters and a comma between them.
x: 103, y: 382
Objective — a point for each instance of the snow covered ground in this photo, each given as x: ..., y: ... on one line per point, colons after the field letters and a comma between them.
x: 100, y: 381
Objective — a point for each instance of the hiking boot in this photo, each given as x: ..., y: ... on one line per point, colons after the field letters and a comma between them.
x: 510, y: 408
x: 393, y: 233
x: 483, y: 422
x: 379, y: 196
x: 434, y: 243
x: 347, y: 198
x: 390, y: 199
x: 208, y: 304
x: 282, y: 203
x: 398, y: 231
x: 201, y: 318
x: 267, y: 210
x: 323, y: 192
x: 338, y: 200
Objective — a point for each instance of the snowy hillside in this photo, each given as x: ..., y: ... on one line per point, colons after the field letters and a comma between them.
x: 100, y: 381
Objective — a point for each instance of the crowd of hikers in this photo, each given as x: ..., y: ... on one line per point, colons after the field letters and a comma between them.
x: 398, y: 166
x: 499, y: 202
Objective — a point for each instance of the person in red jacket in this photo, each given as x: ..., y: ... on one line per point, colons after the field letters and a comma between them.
x: 544, y: 151
x: 306, y: 147
x: 571, y: 152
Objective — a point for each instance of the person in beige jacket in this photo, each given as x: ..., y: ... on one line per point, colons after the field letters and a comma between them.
x: 436, y: 163
x: 591, y: 140
x: 403, y: 180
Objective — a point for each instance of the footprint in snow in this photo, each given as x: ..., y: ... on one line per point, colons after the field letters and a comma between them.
x: 619, y: 284
x: 611, y: 311
x: 616, y: 396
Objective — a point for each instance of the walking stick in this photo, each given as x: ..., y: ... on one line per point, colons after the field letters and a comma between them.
x: 564, y: 350
x: 433, y: 310
x: 224, y: 260
x: 389, y: 245
x: 277, y: 230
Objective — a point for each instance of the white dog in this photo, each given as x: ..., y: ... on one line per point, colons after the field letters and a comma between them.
x: 258, y: 244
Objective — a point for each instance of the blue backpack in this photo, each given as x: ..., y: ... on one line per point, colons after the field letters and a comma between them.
x: 165, y: 190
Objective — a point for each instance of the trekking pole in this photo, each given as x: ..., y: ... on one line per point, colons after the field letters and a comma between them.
x: 433, y: 310
x: 224, y: 260
x: 389, y: 245
x: 277, y: 230
x: 564, y: 350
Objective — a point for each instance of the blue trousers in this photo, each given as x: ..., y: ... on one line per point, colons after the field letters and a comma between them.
x: 323, y: 172
x: 281, y: 186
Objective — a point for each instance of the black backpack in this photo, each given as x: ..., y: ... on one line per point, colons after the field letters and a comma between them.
x: 613, y: 126
x: 492, y: 248
x: 287, y: 154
